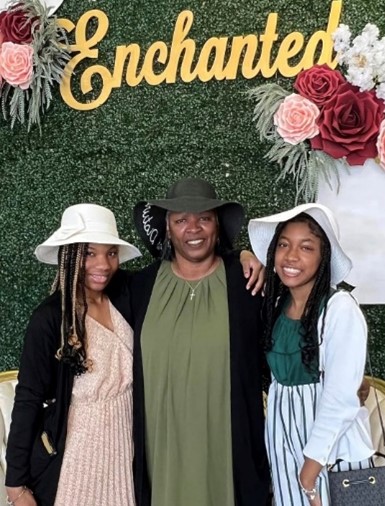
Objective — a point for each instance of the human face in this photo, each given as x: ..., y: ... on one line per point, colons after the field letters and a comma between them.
x: 102, y: 261
x: 193, y: 235
x: 298, y: 256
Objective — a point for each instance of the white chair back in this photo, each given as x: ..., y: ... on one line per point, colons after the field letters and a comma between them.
x: 8, y: 382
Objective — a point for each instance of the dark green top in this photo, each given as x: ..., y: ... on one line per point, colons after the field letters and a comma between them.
x: 186, y: 365
x: 285, y: 359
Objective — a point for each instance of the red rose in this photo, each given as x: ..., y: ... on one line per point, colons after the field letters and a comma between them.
x: 319, y: 83
x: 349, y: 124
x: 2, y: 14
x: 15, y: 26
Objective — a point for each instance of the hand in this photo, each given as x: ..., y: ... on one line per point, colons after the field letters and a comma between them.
x: 253, y: 271
x: 26, y: 499
x: 363, y: 391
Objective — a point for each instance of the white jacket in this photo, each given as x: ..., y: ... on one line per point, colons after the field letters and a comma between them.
x: 341, y: 428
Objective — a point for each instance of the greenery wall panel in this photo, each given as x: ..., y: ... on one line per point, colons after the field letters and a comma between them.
x: 142, y: 139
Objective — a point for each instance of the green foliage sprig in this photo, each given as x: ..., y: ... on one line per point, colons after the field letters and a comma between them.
x: 306, y: 166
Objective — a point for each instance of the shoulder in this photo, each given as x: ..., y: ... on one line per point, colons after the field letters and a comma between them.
x: 44, y: 325
x: 238, y: 294
x: 148, y: 272
x: 49, y: 308
x: 344, y: 312
x: 119, y: 283
x: 231, y: 258
x: 342, y: 300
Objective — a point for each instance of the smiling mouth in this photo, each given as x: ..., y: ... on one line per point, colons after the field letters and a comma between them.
x: 195, y: 242
x: 291, y: 271
x: 99, y: 278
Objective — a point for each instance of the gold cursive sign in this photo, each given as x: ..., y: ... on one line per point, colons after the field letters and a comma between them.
x: 220, y: 58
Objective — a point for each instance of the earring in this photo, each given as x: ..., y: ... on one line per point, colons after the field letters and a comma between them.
x: 167, y: 249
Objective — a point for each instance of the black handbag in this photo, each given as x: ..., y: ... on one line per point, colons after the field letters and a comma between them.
x: 361, y: 487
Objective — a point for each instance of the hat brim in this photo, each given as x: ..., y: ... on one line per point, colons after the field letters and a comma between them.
x: 150, y: 219
x: 47, y: 252
x: 193, y: 204
x: 262, y: 230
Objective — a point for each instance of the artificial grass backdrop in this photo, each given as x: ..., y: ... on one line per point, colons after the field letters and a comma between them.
x: 144, y: 138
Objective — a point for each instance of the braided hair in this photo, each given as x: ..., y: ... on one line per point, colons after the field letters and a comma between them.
x: 69, y: 282
x: 276, y: 294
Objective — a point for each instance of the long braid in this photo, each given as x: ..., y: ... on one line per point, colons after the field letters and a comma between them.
x: 317, y: 299
x: 276, y: 293
x: 71, y: 275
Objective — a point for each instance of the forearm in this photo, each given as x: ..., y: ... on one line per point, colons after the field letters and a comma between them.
x: 309, y: 473
x: 20, y: 496
x: 308, y: 481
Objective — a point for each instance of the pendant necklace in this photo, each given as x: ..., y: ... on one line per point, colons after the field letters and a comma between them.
x: 193, y: 288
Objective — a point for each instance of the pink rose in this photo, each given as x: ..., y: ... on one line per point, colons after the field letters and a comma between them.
x: 349, y: 125
x: 16, y: 64
x: 381, y: 144
x: 319, y: 83
x: 15, y: 26
x: 296, y: 118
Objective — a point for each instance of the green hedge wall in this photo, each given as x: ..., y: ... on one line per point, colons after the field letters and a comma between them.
x: 144, y: 138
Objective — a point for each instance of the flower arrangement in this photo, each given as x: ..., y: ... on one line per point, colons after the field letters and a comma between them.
x: 332, y: 118
x: 33, y: 54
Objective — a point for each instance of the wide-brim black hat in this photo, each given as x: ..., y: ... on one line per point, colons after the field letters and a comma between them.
x: 191, y: 195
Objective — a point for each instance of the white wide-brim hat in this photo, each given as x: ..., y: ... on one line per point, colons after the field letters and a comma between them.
x: 261, y: 232
x: 88, y: 223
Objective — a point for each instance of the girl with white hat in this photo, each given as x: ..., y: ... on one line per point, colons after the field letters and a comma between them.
x: 315, y: 338
x: 70, y: 440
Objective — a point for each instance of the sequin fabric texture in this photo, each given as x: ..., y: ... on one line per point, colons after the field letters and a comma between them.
x: 97, y: 464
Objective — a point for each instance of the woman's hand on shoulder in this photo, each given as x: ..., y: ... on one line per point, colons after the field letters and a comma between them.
x: 253, y: 271
x: 20, y: 496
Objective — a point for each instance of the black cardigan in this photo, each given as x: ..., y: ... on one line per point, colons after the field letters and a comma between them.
x: 250, y: 467
x: 41, y: 378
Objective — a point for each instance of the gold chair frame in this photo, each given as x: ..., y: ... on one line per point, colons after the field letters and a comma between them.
x: 8, y: 375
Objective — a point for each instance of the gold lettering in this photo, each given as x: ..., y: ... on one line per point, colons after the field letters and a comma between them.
x: 85, y: 48
x: 161, y: 62
x: 132, y: 53
x: 157, y: 52
x: 267, y: 39
x: 206, y: 71
x: 247, y: 43
x: 325, y: 38
x: 290, y: 47
x: 181, y: 46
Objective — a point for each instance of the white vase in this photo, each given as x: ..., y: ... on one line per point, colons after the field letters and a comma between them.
x: 359, y: 206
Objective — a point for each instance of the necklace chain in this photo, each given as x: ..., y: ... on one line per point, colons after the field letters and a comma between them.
x: 193, y: 288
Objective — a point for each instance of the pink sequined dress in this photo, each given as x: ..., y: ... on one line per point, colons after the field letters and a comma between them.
x: 97, y: 464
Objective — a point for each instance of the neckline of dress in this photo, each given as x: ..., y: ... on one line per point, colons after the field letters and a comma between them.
x: 211, y: 271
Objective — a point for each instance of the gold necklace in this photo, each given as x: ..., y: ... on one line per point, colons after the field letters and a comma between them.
x: 193, y: 288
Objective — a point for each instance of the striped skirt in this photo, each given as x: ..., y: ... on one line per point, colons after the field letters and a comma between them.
x: 291, y: 412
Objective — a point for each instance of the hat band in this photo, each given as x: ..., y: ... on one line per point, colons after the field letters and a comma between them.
x: 65, y: 232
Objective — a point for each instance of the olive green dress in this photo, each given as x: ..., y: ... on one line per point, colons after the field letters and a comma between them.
x: 186, y: 363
